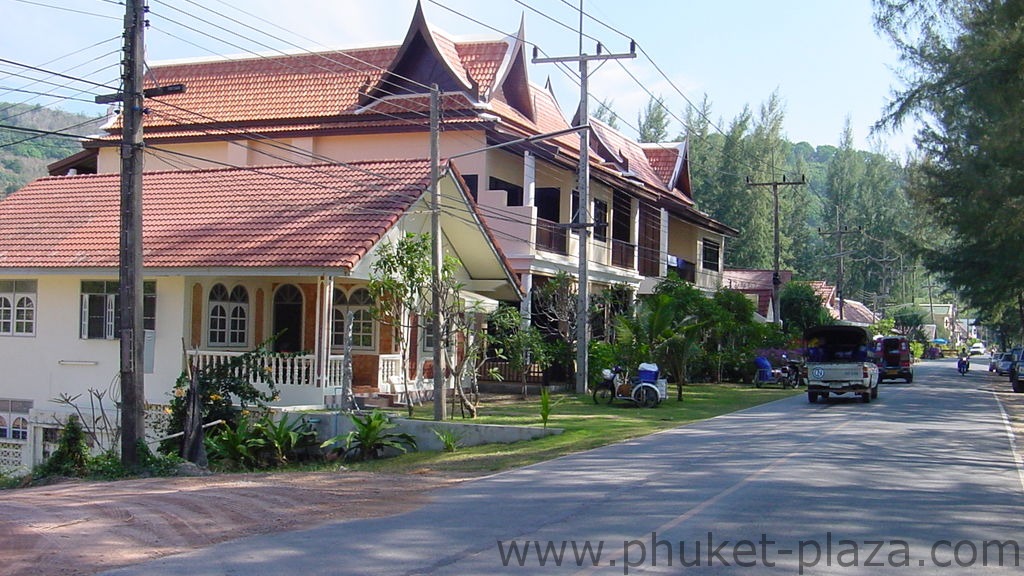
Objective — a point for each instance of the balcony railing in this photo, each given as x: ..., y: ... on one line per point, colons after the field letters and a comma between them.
x: 623, y: 254
x: 551, y: 237
x: 285, y: 369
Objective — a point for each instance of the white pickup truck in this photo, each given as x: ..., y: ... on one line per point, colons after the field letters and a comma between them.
x: 840, y: 361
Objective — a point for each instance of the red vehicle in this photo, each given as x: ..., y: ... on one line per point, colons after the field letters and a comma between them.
x: 893, y: 356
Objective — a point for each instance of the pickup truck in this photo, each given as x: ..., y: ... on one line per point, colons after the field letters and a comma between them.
x: 840, y: 361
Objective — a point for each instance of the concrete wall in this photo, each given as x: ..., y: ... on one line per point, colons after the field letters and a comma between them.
x: 329, y: 424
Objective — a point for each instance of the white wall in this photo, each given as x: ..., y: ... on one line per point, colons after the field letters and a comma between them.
x: 56, y: 360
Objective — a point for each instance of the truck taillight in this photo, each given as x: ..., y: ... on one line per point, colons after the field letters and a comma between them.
x: 864, y: 371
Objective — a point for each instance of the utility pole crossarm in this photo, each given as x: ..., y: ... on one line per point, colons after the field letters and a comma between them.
x: 776, y: 279
x: 583, y: 219
x: 839, y: 232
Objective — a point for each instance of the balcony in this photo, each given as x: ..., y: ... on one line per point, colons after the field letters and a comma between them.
x: 551, y: 237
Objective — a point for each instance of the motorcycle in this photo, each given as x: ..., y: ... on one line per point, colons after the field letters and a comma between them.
x: 645, y: 389
x: 963, y: 364
x: 789, y: 375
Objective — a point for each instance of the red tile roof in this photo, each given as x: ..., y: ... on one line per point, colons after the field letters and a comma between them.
x: 282, y: 216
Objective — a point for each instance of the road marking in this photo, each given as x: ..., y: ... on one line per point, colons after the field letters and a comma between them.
x: 742, y: 483
x: 1013, y: 442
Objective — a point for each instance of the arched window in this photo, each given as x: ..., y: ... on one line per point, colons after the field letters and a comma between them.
x: 3, y: 427
x: 19, y: 429
x: 238, y: 330
x: 363, y: 326
x: 25, y: 316
x: 17, y: 307
x: 6, y: 315
x: 228, y: 316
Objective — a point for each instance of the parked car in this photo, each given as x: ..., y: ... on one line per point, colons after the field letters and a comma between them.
x: 978, y: 348
x: 1005, y: 364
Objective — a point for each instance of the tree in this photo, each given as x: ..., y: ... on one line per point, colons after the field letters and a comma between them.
x: 962, y: 72
x: 909, y: 321
x: 521, y: 343
x: 400, y: 281
x: 554, y: 315
x: 606, y: 114
x: 801, y: 308
x: 653, y: 121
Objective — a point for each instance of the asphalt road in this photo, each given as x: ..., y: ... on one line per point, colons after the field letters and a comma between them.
x: 923, y: 480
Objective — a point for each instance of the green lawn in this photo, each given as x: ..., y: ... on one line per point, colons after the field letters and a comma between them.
x: 585, y: 426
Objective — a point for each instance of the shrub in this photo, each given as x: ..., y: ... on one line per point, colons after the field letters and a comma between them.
x: 235, y: 447
x: 370, y: 437
x: 72, y: 454
x: 283, y: 438
x: 448, y: 438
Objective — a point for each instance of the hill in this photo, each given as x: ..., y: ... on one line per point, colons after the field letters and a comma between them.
x: 24, y: 155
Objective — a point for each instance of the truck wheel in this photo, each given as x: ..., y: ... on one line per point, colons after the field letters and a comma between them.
x: 1017, y: 385
x: 812, y: 397
x: 866, y: 397
x: 874, y: 392
x: 909, y: 379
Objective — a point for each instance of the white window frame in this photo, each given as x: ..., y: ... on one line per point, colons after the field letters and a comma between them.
x: 18, y: 305
x: 110, y: 309
x: 426, y: 334
x: 707, y: 244
x: 19, y: 433
x: 362, y: 316
x: 234, y: 311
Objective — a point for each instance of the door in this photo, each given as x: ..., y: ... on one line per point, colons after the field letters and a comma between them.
x: 288, y: 319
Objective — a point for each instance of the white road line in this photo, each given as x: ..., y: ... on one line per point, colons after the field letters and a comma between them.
x: 1013, y: 442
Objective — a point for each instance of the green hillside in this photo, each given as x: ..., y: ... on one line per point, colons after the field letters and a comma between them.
x: 24, y: 155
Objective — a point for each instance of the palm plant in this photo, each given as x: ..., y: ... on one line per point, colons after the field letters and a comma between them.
x: 370, y: 437
x: 236, y: 447
x: 283, y: 436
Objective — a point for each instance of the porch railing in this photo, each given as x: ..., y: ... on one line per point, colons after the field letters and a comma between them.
x: 285, y: 369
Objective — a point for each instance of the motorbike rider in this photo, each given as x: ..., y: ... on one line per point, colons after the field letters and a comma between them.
x: 963, y: 362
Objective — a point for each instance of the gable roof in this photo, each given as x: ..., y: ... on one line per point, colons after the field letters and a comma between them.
x: 323, y: 216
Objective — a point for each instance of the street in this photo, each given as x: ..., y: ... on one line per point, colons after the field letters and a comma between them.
x: 923, y: 480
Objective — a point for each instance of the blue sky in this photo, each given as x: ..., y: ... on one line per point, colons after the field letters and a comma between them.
x: 822, y: 56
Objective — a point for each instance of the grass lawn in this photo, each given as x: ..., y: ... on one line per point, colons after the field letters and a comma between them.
x: 585, y: 426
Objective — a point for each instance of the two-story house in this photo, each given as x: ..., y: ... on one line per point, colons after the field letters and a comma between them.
x: 271, y: 181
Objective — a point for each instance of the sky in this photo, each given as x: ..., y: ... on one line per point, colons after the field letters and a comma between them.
x: 822, y: 57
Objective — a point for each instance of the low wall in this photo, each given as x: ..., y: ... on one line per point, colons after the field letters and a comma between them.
x: 330, y: 424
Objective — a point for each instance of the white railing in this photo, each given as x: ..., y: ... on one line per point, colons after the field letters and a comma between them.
x: 389, y: 366
x: 285, y: 369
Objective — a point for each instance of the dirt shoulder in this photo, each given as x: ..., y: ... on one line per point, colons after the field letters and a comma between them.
x: 80, y: 528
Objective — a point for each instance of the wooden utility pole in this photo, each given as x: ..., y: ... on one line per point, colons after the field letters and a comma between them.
x: 839, y: 232
x: 583, y: 222
x: 440, y: 334
x: 776, y: 280
x: 130, y: 293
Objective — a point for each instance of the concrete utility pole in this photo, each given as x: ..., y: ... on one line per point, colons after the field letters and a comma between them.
x: 776, y: 280
x: 583, y: 222
x: 839, y: 232
x: 440, y: 336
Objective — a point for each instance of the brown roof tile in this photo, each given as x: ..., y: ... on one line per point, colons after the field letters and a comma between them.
x: 284, y: 216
